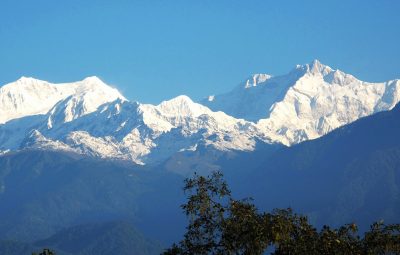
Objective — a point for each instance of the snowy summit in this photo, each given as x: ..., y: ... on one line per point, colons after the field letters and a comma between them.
x: 92, y: 118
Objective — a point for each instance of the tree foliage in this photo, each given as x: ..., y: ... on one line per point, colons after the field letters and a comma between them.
x: 45, y: 252
x: 219, y: 224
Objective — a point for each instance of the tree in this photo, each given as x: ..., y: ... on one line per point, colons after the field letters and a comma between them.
x: 245, y: 230
x: 382, y: 239
x: 218, y: 224
x: 205, y: 210
x: 45, y: 252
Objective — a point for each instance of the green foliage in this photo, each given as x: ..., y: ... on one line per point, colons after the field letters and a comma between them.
x: 45, y: 252
x: 244, y: 229
x: 382, y: 239
x: 206, y: 211
x: 218, y: 224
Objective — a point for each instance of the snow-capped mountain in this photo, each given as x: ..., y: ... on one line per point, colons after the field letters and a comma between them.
x: 92, y: 118
x: 28, y: 96
x: 147, y: 133
x: 307, y: 103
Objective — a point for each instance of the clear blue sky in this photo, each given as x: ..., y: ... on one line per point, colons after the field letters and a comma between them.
x: 155, y: 50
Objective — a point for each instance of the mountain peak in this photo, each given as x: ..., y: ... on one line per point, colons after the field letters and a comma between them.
x: 316, y: 67
x: 181, y: 99
x: 182, y: 105
x: 26, y: 81
x: 24, y: 78
x: 316, y: 63
x: 94, y: 85
x: 29, y: 96
x: 256, y: 79
x: 178, y: 101
x: 92, y: 82
x: 93, y: 79
x: 308, y: 102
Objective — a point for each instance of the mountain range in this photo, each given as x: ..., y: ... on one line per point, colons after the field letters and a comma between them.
x: 92, y: 118
x: 81, y: 166
x: 349, y: 175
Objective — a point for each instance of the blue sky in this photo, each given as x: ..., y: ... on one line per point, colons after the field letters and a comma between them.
x: 155, y: 50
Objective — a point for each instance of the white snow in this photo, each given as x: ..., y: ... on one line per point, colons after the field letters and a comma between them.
x: 89, y: 117
x: 29, y: 96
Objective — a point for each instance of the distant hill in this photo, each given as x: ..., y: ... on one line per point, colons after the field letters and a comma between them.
x: 8, y: 247
x: 43, y: 192
x: 102, y: 239
x: 96, y: 238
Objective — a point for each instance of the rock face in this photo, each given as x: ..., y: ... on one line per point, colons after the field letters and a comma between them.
x: 91, y: 118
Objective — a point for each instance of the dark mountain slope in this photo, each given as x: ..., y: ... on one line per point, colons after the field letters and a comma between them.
x: 43, y: 192
x: 117, y: 237
x: 101, y: 238
x: 351, y: 174
x: 8, y: 247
